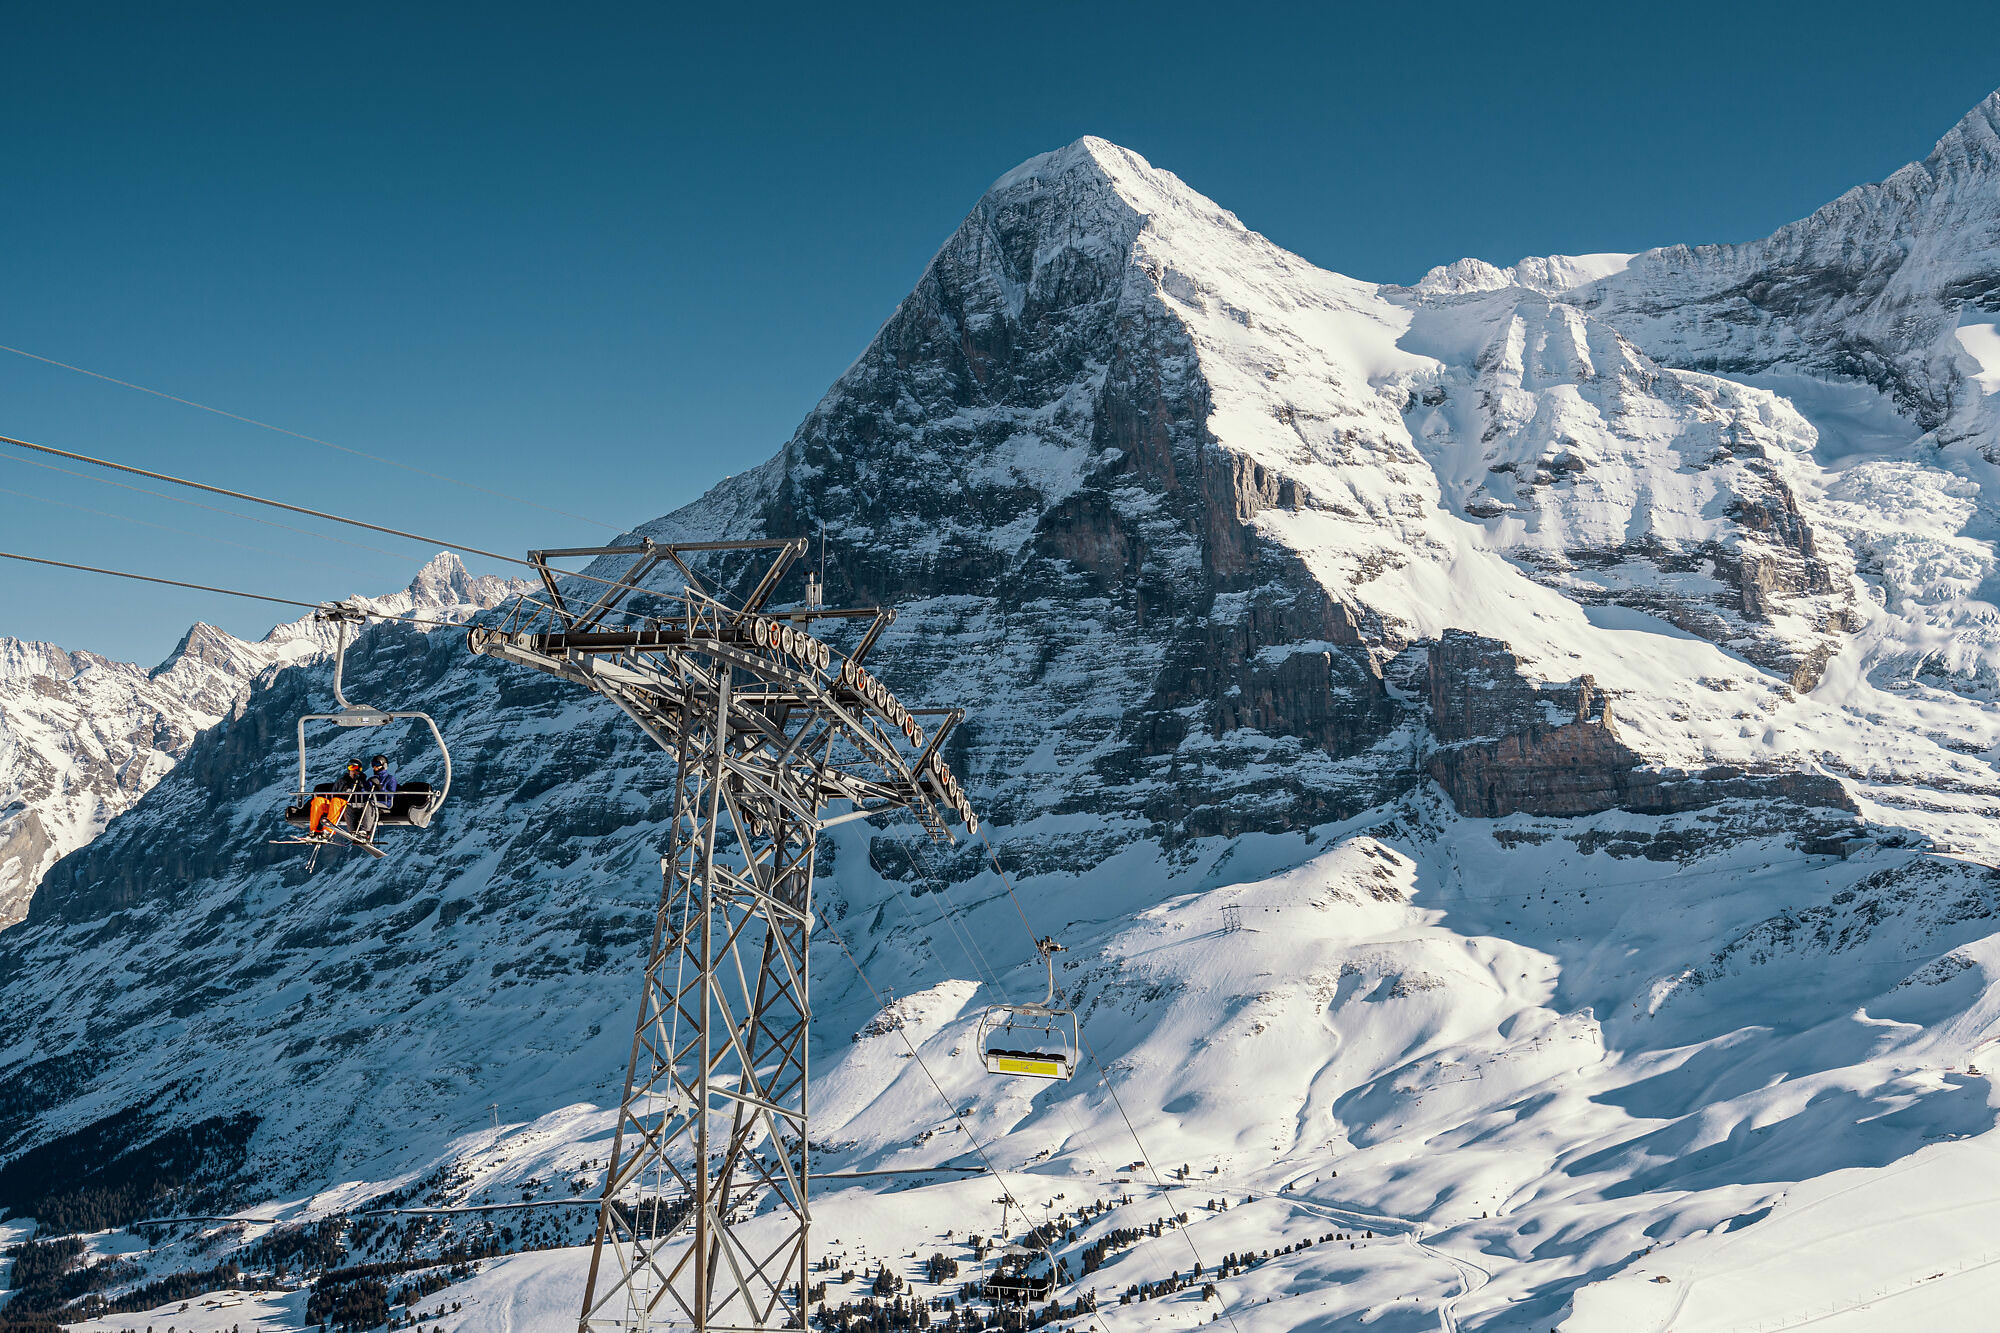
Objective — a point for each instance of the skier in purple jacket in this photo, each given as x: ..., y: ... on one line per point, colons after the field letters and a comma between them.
x: 382, y: 782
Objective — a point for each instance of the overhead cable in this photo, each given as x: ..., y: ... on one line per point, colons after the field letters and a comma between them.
x: 203, y: 587
x: 196, y: 504
x: 148, y: 578
x: 310, y: 439
x: 309, y: 513
x: 157, y: 527
x: 880, y: 1003
x: 989, y: 976
x: 1104, y: 1073
x: 258, y: 499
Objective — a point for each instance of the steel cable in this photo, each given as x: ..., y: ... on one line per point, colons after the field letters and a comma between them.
x: 614, y: 584
x: 196, y: 504
x: 204, y: 587
x: 310, y: 439
x: 1104, y: 1072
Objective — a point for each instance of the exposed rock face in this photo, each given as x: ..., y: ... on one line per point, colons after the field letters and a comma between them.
x: 1027, y: 440
x: 1511, y: 745
x: 1871, y: 287
x: 1621, y: 482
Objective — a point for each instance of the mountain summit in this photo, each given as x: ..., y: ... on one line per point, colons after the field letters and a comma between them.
x: 1491, y: 749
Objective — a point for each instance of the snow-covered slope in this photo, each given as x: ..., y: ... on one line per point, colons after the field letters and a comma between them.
x: 83, y: 737
x: 1585, y: 711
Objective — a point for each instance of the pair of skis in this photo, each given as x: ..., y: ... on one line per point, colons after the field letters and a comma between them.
x: 320, y: 841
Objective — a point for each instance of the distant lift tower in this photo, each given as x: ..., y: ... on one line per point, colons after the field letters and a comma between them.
x: 704, y: 1218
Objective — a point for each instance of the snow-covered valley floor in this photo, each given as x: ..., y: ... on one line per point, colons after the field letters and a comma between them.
x: 1545, y: 1077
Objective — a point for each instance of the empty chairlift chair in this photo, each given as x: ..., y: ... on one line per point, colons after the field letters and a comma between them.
x: 1031, y: 1040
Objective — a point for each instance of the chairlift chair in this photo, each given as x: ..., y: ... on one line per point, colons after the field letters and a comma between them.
x: 1021, y: 1274
x: 1031, y: 1040
x: 412, y: 804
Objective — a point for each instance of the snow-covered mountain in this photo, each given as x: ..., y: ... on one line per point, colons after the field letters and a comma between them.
x: 83, y: 737
x: 1574, y: 677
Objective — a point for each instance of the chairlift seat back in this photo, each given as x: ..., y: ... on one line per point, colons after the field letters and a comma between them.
x: 297, y: 815
x: 411, y: 806
x: 1033, y: 1064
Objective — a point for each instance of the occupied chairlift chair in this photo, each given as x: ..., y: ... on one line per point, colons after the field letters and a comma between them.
x: 412, y: 805
x: 1021, y: 1274
x: 1031, y: 1040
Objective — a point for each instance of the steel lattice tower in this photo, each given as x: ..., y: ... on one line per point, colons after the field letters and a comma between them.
x: 705, y: 1215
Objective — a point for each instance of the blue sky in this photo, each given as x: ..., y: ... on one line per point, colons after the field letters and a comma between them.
x: 600, y: 257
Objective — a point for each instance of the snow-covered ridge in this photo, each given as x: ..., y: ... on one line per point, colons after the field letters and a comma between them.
x: 82, y: 737
x: 1868, y: 288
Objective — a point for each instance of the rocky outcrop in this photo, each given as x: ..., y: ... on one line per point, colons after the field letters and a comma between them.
x: 1619, y: 481
x: 1028, y: 439
x: 1513, y: 746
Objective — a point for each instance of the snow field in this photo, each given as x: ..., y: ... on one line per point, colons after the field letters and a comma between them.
x: 1378, y: 1029
x: 226, y: 1311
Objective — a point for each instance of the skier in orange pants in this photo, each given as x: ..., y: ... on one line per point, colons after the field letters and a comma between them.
x: 326, y: 810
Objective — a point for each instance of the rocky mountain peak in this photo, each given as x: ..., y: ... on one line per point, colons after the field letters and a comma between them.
x: 1871, y: 288
x: 202, y: 643
x: 444, y: 581
x: 1971, y: 147
x: 1094, y: 169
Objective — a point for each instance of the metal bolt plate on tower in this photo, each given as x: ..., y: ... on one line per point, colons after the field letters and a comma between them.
x: 705, y: 1215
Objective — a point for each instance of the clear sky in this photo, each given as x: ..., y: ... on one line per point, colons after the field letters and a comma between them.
x: 601, y: 256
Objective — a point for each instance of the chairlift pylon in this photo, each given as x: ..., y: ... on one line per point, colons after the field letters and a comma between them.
x: 1031, y: 1040
x: 413, y: 803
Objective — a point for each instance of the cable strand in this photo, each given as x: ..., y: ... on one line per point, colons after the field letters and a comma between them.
x: 148, y: 578
x: 226, y: 592
x: 196, y: 504
x: 309, y: 439
x: 314, y: 513
x: 258, y: 499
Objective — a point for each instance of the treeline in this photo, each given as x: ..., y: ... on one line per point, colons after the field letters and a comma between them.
x: 178, y: 1287
x: 429, y: 1281
x: 460, y: 1256
x: 358, y: 1297
x: 27, y: 1323
x: 95, y: 1207
x: 902, y: 1314
x: 356, y: 1303
x: 41, y: 1263
x: 311, y: 1245
x: 46, y: 1276
x: 112, y: 1172
x: 1109, y: 1243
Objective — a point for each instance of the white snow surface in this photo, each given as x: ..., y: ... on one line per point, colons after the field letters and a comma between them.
x: 1546, y: 1061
